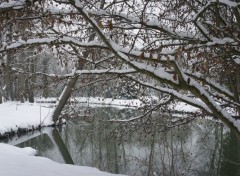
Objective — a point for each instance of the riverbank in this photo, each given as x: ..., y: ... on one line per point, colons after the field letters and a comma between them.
x: 23, y: 162
x: 16, y: 117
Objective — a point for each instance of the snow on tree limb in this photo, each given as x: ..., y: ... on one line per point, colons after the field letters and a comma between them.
x: 196, y: 55
x: 11, y: 4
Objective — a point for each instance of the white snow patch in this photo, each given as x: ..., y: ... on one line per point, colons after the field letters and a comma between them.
x: 14, y: 115
x: 180, y: 106
x: 21, y: 162
x: 237, y: 60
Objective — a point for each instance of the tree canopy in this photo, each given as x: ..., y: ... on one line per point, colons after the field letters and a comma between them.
x: 187, y: 49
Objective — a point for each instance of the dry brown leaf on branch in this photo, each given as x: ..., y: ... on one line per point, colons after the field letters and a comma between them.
x: 100, y: 24
x: 110, y: 25
x: 175, y: 77
x: 206, y: 65
x: 142, y: 55
x: 168, y: 62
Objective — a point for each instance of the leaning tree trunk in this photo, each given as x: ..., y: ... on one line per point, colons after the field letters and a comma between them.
x: 71, y: 81
x: 32, y: 80
x: 1, y: 88
x: 64, y: 97
x: 66, y: 93
x: 0, y: 95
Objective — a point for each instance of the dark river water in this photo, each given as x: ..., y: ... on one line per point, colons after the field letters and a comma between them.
x: 148, y: 147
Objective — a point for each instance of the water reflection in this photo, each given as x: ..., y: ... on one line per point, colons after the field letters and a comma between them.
x: 231, y: 156
x: 200, y: 148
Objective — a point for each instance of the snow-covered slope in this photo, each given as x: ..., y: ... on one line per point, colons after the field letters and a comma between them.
x: 15, y: 115
x: 22, y: 162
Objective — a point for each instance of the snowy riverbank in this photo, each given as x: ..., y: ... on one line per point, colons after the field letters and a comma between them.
x: 15, y: 116
x: 22, y: 162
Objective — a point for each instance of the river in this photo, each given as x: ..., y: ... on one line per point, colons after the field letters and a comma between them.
x: 149, y: 147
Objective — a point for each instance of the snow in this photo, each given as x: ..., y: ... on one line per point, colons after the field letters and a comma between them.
x: 105, y: 71
x: 20, y: 42
x: 110, y: 101
x: 12, y: 4
x: 229, y: 3
x: 237, y: 61
x: 183, y: 107
x: 99, y: 101
x: 22, y: 162
x: 16, y: 115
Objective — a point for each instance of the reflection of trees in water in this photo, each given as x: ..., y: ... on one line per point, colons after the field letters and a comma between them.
x: 42, y: 143
x: 48, y: 142
x: 199, y: 148
x: 230, y: 164
x: 147, y: 149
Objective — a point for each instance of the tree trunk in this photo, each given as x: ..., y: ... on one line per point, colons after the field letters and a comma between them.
x: 8, y: 80
x: 64, y: 97
x: 72, y: 81
x: 45, y: 79
x: 32, y: 79
x: 1, y: 90
x: 0, y: 95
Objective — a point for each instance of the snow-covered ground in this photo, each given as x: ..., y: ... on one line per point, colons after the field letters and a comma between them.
x: 22, y: 162
x: 15, y: 115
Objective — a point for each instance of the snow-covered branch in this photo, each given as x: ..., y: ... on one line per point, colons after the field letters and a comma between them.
x: 12, y: 4
x: 185, y: 47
